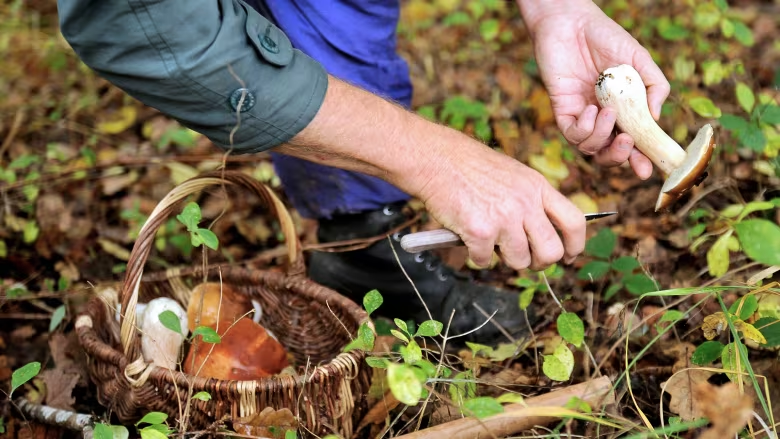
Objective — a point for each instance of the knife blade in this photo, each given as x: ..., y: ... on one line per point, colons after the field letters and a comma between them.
x: 443, y: 238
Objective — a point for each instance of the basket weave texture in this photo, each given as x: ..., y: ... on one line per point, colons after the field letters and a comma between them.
x: 312, y: 322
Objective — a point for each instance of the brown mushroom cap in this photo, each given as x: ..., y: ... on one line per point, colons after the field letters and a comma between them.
x: 230, y: 304
x: 689, y: 173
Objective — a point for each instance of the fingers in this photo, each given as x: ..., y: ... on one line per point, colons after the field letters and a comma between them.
x: 569, y: 220
x: 641, y: 165
x: 545, y: 244
x: 601, y: 134
x: 657, y: 86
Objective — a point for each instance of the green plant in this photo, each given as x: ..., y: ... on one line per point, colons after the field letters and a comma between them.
x: 458, y: 111
x: 758, y: 129
x: 536, y: 283
x: 22, y: 375
x: 621, y: 272
x: 191, y: 217
x: 756, y: 237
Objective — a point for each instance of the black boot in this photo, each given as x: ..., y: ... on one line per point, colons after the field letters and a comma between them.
x: 355, y: 273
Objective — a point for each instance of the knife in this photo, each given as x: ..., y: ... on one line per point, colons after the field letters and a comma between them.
x: 442, y: 238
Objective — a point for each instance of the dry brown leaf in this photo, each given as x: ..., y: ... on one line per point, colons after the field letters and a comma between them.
x: 507, y: 134
x: 680, y: 388
x: 262, y: 424
x: 68, y: 355
x: 727, y: 409
x: 379, y: 412
x: 59, y: 388
x: 512, y: 82
x: 540, y: 103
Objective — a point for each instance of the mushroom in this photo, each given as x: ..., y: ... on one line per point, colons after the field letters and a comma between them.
x: 159, y: 344
x: 210, y: 298
x: 621, y: 88
x: 246, y: 351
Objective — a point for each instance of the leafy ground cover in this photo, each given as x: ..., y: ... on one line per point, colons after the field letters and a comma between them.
x: 679, y: 309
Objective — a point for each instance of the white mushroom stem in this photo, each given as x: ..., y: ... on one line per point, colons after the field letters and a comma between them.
x: 621, y: 88
x: 159, y: 344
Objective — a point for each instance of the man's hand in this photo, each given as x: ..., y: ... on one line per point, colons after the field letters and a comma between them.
x: 574, y: 41
x: 488, y: 198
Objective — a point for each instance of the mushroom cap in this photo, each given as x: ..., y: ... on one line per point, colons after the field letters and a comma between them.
x: 691, y: 172
x: 231, y: 304
x: 246, y: 352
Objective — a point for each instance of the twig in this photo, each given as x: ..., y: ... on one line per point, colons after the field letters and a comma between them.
x: 53, y: 416
x: 519, y: 417
x: 11, y: 133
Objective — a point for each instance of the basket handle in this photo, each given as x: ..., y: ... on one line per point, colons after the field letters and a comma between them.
x: 163, y: 210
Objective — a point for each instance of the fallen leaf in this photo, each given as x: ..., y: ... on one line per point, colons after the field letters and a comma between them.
x: 680, y: 388
x: 379, y: 412
x: 59, y: 388
x: 68, y: 355
x: 584, y: 202
x: 507, y: 134
x: 512, y: 82
x: 539, y: 101
x: 266, y: 423
x: 118, y: 122
x: 114, y: 249
x: 727, y: 409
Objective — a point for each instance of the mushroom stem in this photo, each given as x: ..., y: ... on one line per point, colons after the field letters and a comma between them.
x: 622, y: 88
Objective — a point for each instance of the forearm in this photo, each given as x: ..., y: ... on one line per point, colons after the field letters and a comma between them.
x: 359, y: 131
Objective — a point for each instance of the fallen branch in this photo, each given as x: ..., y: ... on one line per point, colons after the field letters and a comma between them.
x: 52, y: 416
x: 538, y: 410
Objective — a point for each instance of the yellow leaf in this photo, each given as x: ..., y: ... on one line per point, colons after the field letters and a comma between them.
x: 550, y: 164
x: 584, y: 202
x: 181, y: 172
x: 718, y: 255
x: 121, y: 121
x: 749, y: 332
x: 114, y: 249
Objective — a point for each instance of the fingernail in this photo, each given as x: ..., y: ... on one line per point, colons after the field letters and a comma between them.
x: 624, y: 146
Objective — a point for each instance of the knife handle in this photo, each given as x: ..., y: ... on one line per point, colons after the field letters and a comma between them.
x: 429, y: 240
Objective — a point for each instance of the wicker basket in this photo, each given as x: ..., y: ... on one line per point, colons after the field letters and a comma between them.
x: 313, y: 323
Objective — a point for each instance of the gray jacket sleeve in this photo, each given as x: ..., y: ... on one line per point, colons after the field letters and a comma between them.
x: 200, y: 61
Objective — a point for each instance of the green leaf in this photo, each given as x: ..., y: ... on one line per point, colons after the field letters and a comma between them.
x: 208, y: 238
x: 571, y: 328
x: 704, y: 107
x: 170, y: 320
x: 769, y: 113
x: 24, y: 161
x: 753, y: 137
x: 411, y: 353
x: 722, y: 4
x: 559, y: 365
x: 706, y: 16
x: 102, y: 431
x: 671, y: 31
x: 671, y: 315
x: 729, y: 361
x: 372, y: 300
x: 401, y: 325
x: 745, y: 97
x: 602, y: 244
x: 476, y: 348
x: 202, y: 396
x: 727, y: 27
x: 30, y: 232
x: 718, y: 255
x: 456, y: 18
x: 612, y: 290
x: 714, y: 72
x: 190, y: 216
x: 56, y: 318
x: 749, y: 306
x: 625, y: 264
x: 755, y: 206
x: 377, y: 362
x: 639, y: 284
x: 482, y: 407
x: 489, y: 28
x: 503, y: 351
x: 759, y: 240
x: 152, y: 433
x: 594, y: 270
x: 770, y: 329
x: 462, y: 387
x: 428, y: 368
x: 400, y: 335
x: 290, y: 434
x: 152, y: 418
x: 707, y: 352
x: 429, y: 328
x: 743, y: 34
x: 404, y: 384
x: 526, y: 297
x: 162, y: 428
x: 367, y: 337
x: 696, y: 230
x: 733, y: 123
x: 24, y: 374
x: 208, y: 334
